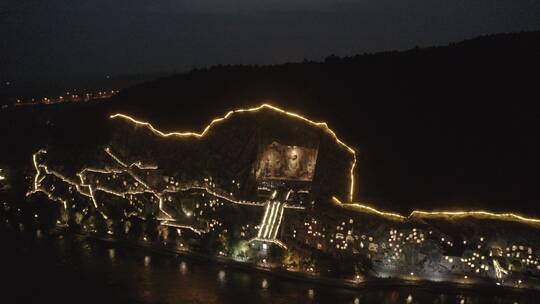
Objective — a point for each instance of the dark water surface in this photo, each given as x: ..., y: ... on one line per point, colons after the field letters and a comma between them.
x: 41, y: 268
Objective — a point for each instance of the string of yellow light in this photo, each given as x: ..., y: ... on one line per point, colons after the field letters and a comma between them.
x: 368, y: 209
x: 322, y: 125
x: 442, y: 214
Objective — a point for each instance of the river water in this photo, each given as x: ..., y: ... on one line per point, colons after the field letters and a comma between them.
x: 42, y: 268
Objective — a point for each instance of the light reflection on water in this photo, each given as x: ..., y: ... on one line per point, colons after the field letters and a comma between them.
x: 83, y: 271
x: 221, y: 276
x: 111, y: 254
x: 183, y: 267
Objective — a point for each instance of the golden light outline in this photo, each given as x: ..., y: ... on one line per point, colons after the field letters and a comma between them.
x: 367, y: 209
x: 481, y: 214
x: 275, y: 241
x: 322, y: 125
x: 355, y: 206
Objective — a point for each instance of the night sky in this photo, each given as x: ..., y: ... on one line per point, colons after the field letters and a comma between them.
x: 61, y: 40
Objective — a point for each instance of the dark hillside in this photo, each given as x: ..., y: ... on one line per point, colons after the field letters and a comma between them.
x: 435, y: 127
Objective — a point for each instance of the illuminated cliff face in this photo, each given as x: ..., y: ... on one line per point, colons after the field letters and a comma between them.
x: 232, y: 148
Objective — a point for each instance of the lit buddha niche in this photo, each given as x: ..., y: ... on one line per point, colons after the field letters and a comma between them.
x: 279, y: 162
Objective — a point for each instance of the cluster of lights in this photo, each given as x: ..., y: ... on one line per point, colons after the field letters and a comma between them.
x: 342, y: 238
x: 477, y: 263
x: 314, y: 229
x: 399, y: 239
x: 402, y: 242
x: 522, y: 254
x: 438, y: 214
x: 68, y: 97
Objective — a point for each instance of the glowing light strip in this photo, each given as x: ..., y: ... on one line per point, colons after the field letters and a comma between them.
x: 277, y: 242
x: 322, y: 125
x: 108, y: 151
x: 432, y: 214
x: 268, y: 222
x: 136, y: 164
x: 288, y: 194
x: 220, y: 196
x: 274, y: 219
x: 279, y: 223
x: 499, y: 270
x: 293, y: 207
x: 197, y: 231
x: 368, y: 209
x: 36, y: 166
x: 37, y: 180
x: 271, y: 223
x: 95, y: 202
x: 264, y: 220
x: 94, y: 170
x: 479, y: 213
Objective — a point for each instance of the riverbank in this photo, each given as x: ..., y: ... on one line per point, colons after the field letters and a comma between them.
x: 479, y: 286
x: 64, y: 267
